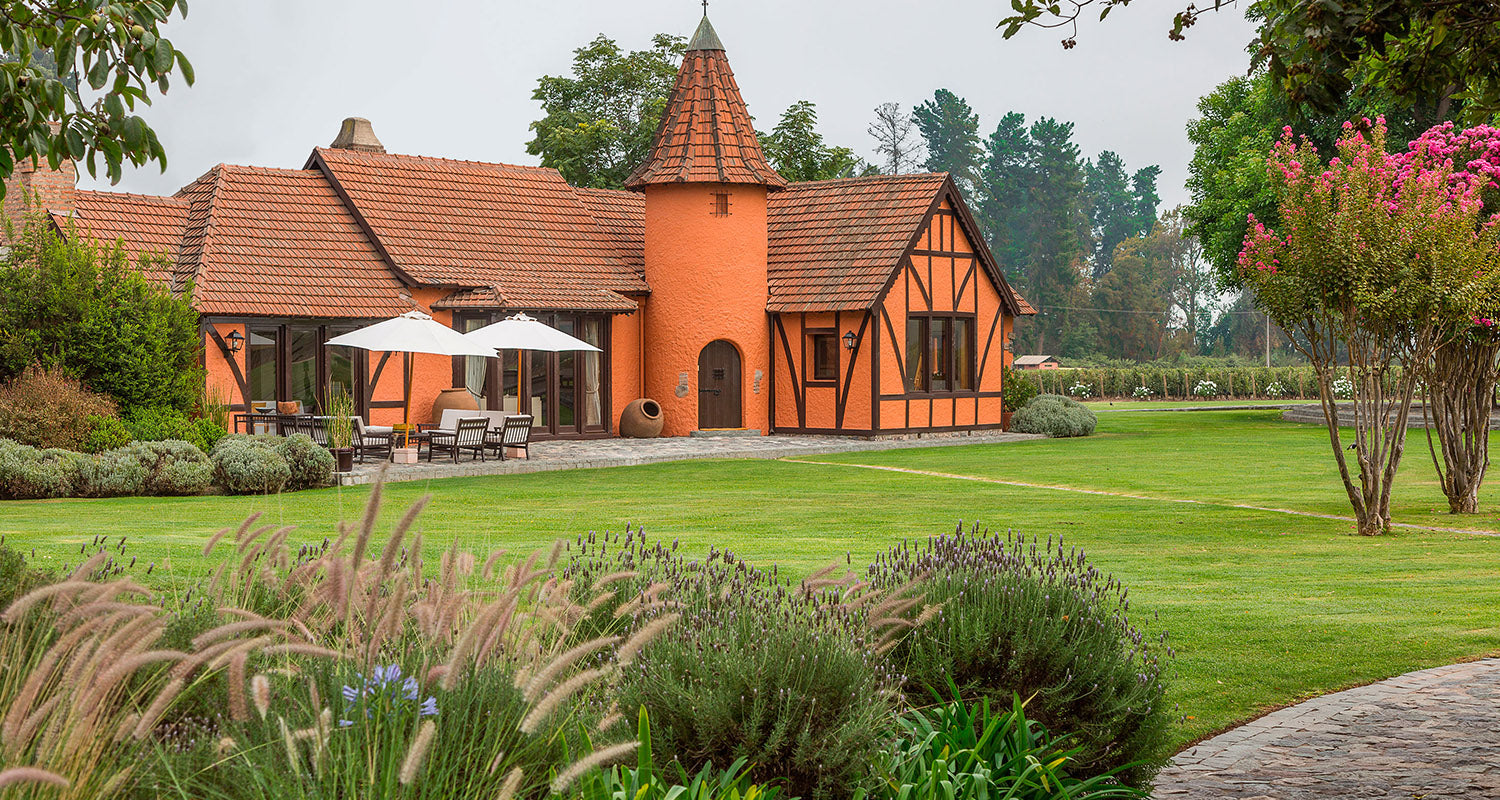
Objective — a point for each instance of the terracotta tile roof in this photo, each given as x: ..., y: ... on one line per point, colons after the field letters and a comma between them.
x: 140, y: 223
x: 528, y: 297
x: 706, y: 135
x: 621, y: 217
x: 280, y: 242
x: 472, y: 224
x: 834, y: 244
x: 1026, y: 308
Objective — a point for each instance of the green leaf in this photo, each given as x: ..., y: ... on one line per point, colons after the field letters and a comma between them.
x: 132, y: 134
x: 164, y: 54
x: 99, y: 73
x: 75, y: 143
x: 184, y: 67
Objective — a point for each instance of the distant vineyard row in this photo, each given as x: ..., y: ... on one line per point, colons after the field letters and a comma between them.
x: 1271, y: 383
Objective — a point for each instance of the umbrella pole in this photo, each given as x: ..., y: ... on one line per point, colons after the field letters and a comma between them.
x: 406, y: 414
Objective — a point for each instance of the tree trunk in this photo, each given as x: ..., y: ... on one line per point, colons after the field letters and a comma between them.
x: 1379, y: 419
x: 1461, y: 381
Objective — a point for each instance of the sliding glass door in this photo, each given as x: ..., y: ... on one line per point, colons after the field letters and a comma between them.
x: 564, y: 393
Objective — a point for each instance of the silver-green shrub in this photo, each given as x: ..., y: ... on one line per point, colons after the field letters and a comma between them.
x: 117, y: 473
x: 174, y: 467
x: 311, y: 463
x: 29, y: 473
x: 1055, y: 416
x: 243, y: 465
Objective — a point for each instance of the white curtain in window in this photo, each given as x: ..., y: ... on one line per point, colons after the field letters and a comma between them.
x: 475, y: 367
x: 592, y: 407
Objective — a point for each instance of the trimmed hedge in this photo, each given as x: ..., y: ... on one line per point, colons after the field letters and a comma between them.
x: 311, y: 463
x: 151, y: 468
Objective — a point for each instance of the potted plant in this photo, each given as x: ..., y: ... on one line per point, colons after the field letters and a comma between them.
x: 340, y: 408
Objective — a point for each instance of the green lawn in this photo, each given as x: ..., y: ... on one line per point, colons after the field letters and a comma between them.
x: 1264, y: 608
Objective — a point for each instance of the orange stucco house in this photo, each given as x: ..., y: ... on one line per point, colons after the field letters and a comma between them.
x: 736, y: 300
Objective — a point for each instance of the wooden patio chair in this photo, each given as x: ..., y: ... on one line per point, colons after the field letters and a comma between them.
x: 316, y: 428
x: 366, y: 442
x: 467, y: 436
x: 516, y: 432
x: 288, y: 424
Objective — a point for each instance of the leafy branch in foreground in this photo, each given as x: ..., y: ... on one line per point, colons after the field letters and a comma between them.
x: 73, y: 77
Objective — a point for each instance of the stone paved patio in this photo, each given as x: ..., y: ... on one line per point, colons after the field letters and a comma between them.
x: 1421, y: 736
x: 591, y: 453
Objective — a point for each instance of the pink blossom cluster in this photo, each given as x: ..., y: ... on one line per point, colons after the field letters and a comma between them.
x: 1484, y: 321
x: 1261, y: 247
x: 1425, y: 179
x: 1472, y: 156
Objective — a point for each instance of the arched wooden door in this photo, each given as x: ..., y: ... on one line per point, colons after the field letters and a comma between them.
x: 719, y: 386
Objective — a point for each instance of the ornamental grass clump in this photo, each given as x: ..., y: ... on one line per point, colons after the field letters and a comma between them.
x: 1011, y: 616
x: 1055, y: 416
x: 787, y: 675
x: 448, y: 679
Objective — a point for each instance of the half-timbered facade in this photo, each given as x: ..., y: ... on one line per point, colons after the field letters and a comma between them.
x: 736, y: 300
x: 915, y: 340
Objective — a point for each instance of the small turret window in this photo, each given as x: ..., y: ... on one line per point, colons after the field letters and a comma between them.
x: 721, y: 204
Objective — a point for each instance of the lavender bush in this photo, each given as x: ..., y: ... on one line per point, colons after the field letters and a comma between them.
x: 1019, y: 617
x: 786, y: 675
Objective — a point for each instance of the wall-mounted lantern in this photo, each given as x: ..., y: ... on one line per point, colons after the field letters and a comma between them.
x: 234, y: 342
x: 849, y: 340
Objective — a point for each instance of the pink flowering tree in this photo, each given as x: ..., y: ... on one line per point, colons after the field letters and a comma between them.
x: 1462, y: 374
x: 1375, y: 260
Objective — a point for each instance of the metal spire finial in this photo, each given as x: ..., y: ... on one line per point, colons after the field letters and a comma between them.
x: 705, y: 8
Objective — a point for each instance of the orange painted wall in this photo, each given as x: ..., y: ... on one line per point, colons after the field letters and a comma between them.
x: 820, y: 403
x: 708, y: 281
x: 216, y: 363
x: 939, y: 282
x: 624, y: 362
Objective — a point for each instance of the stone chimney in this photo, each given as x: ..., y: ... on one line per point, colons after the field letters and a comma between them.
x: 356, y: 134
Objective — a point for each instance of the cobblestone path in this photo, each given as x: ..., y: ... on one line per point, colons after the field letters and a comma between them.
x: 1421, y: 736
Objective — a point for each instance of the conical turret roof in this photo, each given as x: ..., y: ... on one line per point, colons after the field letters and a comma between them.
x: 706, y: 135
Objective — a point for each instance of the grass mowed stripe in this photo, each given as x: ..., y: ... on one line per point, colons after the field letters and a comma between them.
x: 1264, y: 608
x: 1227, y: 457
x: 1185, y: 501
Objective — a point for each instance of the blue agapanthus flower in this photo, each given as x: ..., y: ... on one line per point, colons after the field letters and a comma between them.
x: 389, y: 692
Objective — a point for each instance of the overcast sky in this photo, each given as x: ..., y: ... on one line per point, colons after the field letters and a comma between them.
x: 454, y: 78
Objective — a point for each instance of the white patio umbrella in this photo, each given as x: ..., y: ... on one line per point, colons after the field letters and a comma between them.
x: 520, y: 332
x: 412, y: 332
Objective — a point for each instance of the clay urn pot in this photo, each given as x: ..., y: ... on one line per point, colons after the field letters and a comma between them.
x: 641, y: 419
x: 460, y: 398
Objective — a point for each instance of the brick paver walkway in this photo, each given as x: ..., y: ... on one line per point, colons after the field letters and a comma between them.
x: 589, y: 453
x: 1421, y: 736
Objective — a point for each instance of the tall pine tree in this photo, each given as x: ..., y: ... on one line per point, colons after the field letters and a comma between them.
x: 1110, y: 208
x: 1121, y: 206
x: 951, y: 130
x: 1057, y: 232
x: 1004, y: 189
